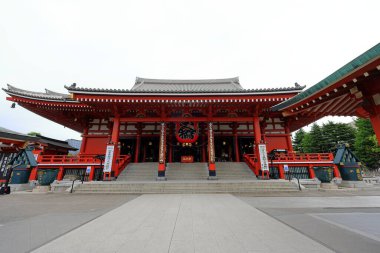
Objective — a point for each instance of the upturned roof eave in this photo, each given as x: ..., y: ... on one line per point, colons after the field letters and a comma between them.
x: 356, y: 64
x: 40, y: 98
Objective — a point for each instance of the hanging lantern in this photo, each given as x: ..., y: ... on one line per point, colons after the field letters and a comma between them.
x: 187, y: 132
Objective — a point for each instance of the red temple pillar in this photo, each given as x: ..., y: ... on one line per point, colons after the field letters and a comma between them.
x: 138, y: 144
x: 84, y: 141
x: 203, y: 146
x: 236, y: 144
x: 171, y: 132
x: 162, y: 153
x: 211, y: 152
x: 288, y: 137
x: 257, y: 132
x: 375, y: 121
x: 115, y: 143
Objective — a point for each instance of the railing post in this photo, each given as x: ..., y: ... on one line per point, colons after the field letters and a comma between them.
x: 281, y: 171
x: 311, y: 171
x: 336, y: 171
x: 60, y: 173
x: 92, y: 174
x: 33, y: 174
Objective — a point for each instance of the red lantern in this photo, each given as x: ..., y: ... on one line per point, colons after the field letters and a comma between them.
x: 187, y: 132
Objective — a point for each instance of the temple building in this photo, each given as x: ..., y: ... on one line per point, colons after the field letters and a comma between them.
x: 204, y: 121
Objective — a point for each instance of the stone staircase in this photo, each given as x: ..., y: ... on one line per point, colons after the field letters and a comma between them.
x: 234, y: 171
x: 139, y: 172
x: 187, y: 178
x: 188, y: 186
x: 186, y: 171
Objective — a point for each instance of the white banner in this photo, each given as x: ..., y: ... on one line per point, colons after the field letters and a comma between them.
x: 263, y: 157
x: 108, y: 159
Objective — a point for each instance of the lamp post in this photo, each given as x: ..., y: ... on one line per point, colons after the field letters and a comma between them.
x: 101, y: 158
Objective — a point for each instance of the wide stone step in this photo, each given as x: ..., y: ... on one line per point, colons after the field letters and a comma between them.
x: 187, y: 187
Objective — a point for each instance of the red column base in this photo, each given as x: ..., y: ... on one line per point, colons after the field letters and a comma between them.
x: 161, y: 170
x: 211, y: 170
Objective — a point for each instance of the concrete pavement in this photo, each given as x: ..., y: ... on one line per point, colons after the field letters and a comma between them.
x: 184, y: 223
x: 29, y: 220
x: 344, y: 224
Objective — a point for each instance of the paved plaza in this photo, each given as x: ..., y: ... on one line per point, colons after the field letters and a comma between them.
x: 184, y: 223
x: 282, y: 222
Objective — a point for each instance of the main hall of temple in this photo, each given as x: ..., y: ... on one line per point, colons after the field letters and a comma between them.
x: 211, y: 121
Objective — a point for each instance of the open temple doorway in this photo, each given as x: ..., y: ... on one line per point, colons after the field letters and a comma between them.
x: 127, y: 146
x: 149, y: 149
x: 224, y: 149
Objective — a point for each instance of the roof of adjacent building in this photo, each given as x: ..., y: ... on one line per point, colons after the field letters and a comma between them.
x: 13, y: 135
x: 9, y: 134
x: 55, y: 142
x: 172, y: 86
x: 363, y: 59
x: 47, y: 95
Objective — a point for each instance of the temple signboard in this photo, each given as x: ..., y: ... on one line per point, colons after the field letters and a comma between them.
x: 263, y: 157
x: 108, y: 158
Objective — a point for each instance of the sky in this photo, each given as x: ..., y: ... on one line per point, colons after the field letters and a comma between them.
x: 272, y: 43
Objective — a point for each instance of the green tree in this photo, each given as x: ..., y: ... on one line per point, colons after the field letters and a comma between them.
x: 316, y: 138
x: 366, y: 147
x: 297, y: 140
x: 307, y: 143
x: 336, y: 133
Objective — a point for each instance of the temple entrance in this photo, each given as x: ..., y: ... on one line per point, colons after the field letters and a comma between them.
x: 149, y: 149
x: 224, y: 149
x: 186, y: 154
x: 127, y: 146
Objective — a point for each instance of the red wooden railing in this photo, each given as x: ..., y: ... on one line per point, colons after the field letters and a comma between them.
x: 250, y: 160
x: 300, y: 157
x: 80, y: 161
x: 293, y: 159
x: 62, y: 159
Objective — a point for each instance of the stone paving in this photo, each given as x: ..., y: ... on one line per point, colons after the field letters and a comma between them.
x: 184, y: 223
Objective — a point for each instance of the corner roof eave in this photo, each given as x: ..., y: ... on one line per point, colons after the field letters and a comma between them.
x: 10, y: 93
x: 348, y: 69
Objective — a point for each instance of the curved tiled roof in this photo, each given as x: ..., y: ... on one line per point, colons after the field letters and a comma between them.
x: 145, y: 84
x: 169, y: 86
x: 47, y: 95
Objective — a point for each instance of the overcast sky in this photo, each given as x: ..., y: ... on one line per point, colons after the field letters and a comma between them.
x: 49, y: 44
